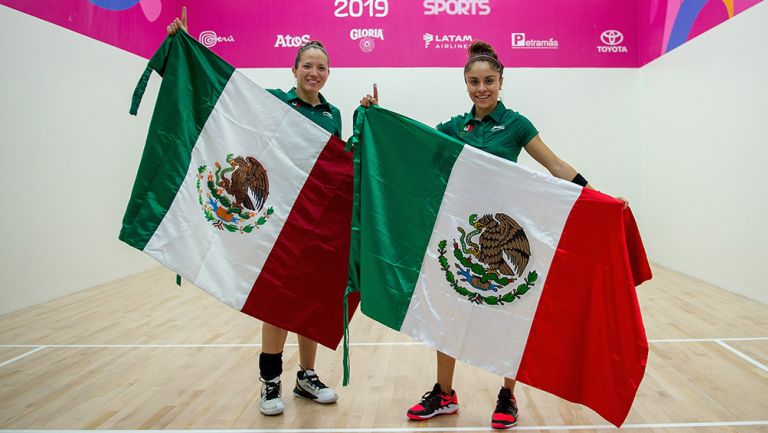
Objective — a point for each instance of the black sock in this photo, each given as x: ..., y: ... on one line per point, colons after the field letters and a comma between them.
x: 270, y: 365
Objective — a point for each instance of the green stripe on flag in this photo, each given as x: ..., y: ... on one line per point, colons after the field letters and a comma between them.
x: 187, y: 96
x: 403, y: 176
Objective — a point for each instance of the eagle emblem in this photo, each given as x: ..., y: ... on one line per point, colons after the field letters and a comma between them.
x: 232, y: 198
x: 489, y: 259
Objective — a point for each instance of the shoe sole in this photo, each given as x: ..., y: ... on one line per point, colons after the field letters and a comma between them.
x: 438, y: 412
x: 500, y: 426
x: 271, y: 412
x: 304, y: 394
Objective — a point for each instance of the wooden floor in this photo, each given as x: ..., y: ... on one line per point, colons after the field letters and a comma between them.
x: 143, y: 354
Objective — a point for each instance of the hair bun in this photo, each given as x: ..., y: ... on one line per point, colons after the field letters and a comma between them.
x: 481, y: 48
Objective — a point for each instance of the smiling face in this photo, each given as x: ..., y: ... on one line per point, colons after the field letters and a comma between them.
x: 483, y: 86
x: 311, y: 73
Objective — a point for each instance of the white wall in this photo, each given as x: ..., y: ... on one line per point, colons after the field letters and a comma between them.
x: 704, y: 124
x: 70, y: 150
x: 69, y: 154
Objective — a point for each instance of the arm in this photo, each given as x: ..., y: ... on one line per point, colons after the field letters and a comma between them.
x: 544, y: 156
x: 556, y: 166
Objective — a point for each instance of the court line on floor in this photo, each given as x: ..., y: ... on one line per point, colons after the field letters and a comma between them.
x: 743, y: 356
x: 686, y: 425
x: 10, y: 361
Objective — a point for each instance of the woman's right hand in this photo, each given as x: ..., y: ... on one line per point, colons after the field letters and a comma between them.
x: 177, y: 23
x: 369, y: 99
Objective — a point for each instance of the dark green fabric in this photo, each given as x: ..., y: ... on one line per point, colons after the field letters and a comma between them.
x: 193, y: 79
x: 324, y: 114
x: 503, y: 133
x: 401, y: 174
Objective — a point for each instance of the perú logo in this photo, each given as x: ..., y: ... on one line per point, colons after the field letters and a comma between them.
x: 447, y: 41
x: 290, y: 41
x: 611, y: 40
x: 457, y: 7
x: 367, y: 38
x: 209, y: 38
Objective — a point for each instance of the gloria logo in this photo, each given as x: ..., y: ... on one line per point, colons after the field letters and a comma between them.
x: 611, y: 40
x: 457, y: 7
x: 209, y: 38
x: 447, y: 41
x: 232, y: 198
x: 519, y: 40
x: 367, y: 38
x: 490, y: 260
x: 290, y: 41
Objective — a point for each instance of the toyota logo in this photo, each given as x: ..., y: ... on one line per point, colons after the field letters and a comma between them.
x: 612, y: 37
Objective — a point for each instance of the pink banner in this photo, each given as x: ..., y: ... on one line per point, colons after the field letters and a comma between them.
x: 401, y: 33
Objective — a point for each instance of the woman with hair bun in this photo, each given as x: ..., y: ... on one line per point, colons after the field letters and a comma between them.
x: 311, y: 70
x: 496, y: 129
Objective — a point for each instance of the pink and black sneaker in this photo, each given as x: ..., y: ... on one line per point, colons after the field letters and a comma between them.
x: 434, y: 403
x: 505, y: 415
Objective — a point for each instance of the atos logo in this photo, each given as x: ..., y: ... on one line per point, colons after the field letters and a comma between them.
x: 291, y: 41
x: 611, y: 40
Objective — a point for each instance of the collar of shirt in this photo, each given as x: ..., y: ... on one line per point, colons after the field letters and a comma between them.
x: 497, y: 114
x: 292, y: 96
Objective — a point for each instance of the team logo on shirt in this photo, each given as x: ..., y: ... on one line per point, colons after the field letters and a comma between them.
x: 498, y: 128
x: 235, y: 195
x: 490, y: 265
x: 328, y: 114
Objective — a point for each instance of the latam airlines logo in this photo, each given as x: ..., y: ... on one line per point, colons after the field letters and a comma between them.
x: 447, y: 41
x: 291, y: 41
x: 209, y: 38
x: 367, y: 38
x: 611, y: 40
x: 519, y: 40
x: 457, y: 7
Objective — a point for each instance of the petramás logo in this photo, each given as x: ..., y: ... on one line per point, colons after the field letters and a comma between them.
x: 209, y: 38
x: 446, y: 41
x: 611, y: 40
x: 457, y: 7
x: 367, y: 38
x: 519, y: 40
x: 291, y: 41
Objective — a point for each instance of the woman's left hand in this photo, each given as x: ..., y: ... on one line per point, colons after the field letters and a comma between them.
x: 626, y: 202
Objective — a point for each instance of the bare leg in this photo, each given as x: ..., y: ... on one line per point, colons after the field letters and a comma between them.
x: 307, y: 352
x: 445, y: 367
x: 510, y: 383
x: 272, y: 338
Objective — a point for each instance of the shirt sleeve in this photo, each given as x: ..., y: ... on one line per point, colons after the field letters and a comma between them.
x: 337, y: 116
x: 279, y: 94
x: 526, y: 130
x: 444, y: 127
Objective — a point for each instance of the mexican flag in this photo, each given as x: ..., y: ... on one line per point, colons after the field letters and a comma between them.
x: 517, y: 272
x: 241, y: 195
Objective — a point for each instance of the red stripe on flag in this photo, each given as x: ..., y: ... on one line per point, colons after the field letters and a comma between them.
x: 587, y: 342
x: 301, y: 286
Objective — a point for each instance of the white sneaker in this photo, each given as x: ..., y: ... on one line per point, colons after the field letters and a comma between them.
x: 271, y: 403
x: 308, y: 385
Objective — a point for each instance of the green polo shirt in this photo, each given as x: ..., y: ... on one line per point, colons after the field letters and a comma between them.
x: 324, y: 114
x: 503, y: 133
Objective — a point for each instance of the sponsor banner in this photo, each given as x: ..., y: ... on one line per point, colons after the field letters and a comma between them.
x: 390, y: 33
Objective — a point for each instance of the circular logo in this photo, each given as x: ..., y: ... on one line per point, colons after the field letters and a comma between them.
x: 208, y: 38
x: 612, y: 37
x: 367, y: 44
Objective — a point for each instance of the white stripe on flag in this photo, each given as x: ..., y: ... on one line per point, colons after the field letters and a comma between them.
x: 448, y: 321
x: 247, y: 121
